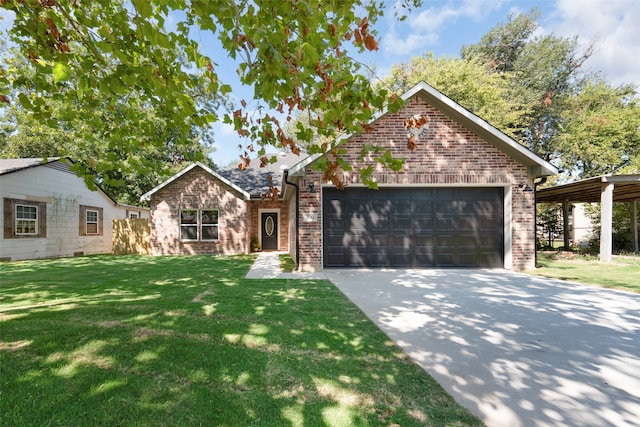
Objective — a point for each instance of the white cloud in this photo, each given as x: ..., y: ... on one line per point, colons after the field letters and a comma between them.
x: 614, y: 25
x: 394, y: 43
x: 436, y: 17
x: 422, y: 28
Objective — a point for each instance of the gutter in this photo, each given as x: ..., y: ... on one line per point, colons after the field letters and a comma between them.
x: 294, y: 185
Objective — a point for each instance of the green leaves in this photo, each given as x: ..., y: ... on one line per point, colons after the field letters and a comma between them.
x: 61, y: 72
x: 143, y: 7
x: 99, y: 57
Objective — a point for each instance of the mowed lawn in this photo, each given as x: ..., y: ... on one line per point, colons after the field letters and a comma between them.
x: 186, y: 341
x: 623, y: 272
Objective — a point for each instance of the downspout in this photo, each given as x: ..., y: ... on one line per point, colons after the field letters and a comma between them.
x: 543, y: 179
x: 294, y: 185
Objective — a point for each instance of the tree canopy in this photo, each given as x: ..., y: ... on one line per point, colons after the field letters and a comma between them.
x: 535, y: 89
x: 131, y: 87
x: 92, y: 61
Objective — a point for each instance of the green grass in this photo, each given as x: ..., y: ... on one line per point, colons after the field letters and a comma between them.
x: 141, y: 341
x: 287, y: 264
x: 622, y: 273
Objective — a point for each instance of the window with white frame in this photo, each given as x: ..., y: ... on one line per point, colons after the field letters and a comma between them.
x: 91, y: 218
x: 134, y: 215
x: 91, y: 223
x: 26, y: 220
x: 209, y: 224
x: 189, y: 224
x: 198, y: 224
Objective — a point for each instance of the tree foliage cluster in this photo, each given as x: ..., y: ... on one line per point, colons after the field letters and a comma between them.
x: 121, y: 66
x: 535, y: 89
x: 124, y: 87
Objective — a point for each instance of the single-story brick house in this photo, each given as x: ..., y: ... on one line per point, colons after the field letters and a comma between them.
x: 462, y: 199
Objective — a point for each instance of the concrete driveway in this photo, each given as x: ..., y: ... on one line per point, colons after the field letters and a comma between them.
x: 516, y: 350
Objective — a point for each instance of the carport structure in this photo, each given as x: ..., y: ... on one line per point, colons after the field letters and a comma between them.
x: 605, y: 189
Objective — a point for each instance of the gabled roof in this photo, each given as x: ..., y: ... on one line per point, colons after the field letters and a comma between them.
x: 14, y: 165
x: 536, y: 166
x: 147, y: 195
x: 62, y: 164
x: 255, y: 179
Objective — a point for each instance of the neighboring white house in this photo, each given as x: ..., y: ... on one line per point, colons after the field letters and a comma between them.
x: 582, y: 229
x: 48, y: 211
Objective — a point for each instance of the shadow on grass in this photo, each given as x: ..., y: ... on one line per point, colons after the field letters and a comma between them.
x: 186, y: 341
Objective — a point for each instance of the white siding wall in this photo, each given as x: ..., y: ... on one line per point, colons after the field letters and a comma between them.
x: 63, y: 193
x: 582, y: 225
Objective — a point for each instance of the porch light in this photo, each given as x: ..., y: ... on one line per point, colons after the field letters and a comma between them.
x: 312, y: 187
x: 525, y: 188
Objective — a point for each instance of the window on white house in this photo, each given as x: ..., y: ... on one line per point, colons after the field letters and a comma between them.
x: 209, y: 224
x: 92, y: 222
x: 26, y: 220
x: 133, y: 215
x: 189, y: 224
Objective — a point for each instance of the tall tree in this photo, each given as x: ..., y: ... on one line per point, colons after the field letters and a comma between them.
x: 293, y: 55
x: 469, y: 82
x: 140, y: 159
x: 540, y: 74
x: 599, y: 129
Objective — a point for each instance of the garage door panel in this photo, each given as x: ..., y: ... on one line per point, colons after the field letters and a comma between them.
x: 356, y: 257
x: 379, y: 241
x: 413, y: 227
x: 334, y: 223
x: 467, y: 260
x: 332, y: 239
x: 402, y: 239
x: 379, y: 257
x: 445, y: 259
x: 357, y: 222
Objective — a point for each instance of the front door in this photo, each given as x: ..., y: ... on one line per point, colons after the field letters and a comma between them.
x: 269, y: 231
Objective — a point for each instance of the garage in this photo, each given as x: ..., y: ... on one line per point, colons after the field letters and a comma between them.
x: 413, y: 227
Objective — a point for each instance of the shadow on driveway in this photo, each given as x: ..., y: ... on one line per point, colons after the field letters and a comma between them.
x: 517, y: 350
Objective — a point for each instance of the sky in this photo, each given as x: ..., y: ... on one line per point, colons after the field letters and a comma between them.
x: 445, y: 26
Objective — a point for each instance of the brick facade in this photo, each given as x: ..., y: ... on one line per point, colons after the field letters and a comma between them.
x: 448, y: 154
x: 197, y: 189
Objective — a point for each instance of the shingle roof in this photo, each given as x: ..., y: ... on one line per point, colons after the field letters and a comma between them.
x: 255, y: 180
x: 14, y: 165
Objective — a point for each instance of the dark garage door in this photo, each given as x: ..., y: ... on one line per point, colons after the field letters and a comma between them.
x: 426, y: 227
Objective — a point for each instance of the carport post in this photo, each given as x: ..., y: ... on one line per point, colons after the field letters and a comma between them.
x: 565, y: 224
x: 606, y: 219
x: 634, y: 224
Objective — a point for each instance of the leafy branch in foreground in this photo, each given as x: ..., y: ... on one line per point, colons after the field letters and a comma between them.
x: 293, y: 55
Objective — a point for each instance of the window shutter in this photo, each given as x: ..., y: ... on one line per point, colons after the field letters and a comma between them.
x: 81, y: 225
x: 8, y: 218
x: 100, y: 217
x: 42, y: 220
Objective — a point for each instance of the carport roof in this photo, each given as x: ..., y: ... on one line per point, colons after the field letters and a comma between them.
x: 626, y: 188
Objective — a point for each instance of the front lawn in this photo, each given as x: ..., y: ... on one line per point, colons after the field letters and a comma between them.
x: 182, y: 341
x: 622, y: 273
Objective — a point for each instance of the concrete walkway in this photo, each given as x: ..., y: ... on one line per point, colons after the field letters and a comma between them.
x: 516, y: 350
x: 267, y: 266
